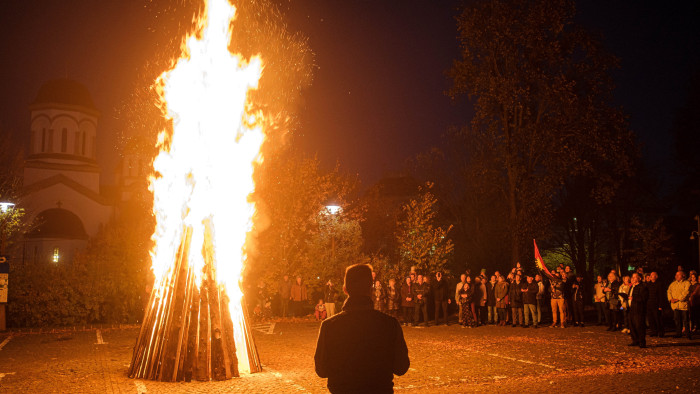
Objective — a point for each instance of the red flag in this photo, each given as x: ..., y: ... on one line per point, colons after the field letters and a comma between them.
x: 540, y: 263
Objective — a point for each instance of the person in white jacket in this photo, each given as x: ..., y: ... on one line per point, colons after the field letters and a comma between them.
x: 677, y: 294
x: 460, y: 284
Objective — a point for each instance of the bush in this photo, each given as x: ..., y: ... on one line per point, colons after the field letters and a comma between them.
x: 108, y: 282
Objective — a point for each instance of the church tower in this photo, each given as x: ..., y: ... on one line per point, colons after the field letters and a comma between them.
x: 61, y: 176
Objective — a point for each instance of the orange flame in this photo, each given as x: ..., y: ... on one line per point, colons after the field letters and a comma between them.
x: 204, y: 172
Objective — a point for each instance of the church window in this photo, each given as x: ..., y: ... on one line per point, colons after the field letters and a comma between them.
x: 56, y: 255
x: 76, y: 143
x: 83, y: 149
x: 43, y: 140
x: 49, y: 148
x: 64, y: 140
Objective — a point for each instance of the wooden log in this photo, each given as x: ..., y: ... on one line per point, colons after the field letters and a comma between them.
x: 175, y: 315
x: 184, y: 327
x: 218, y: 371
x: 192, y: 338
x: 229, y: 343
x: 187, y: 330
x: 253, y: 357
x: 202, y: 371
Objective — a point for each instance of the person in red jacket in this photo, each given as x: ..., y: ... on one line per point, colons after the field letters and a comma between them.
x: 360, y: 349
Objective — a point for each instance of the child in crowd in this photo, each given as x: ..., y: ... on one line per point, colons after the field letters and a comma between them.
x: 320, y: 310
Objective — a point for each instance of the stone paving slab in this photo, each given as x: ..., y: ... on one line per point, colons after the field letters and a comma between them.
x: 443, y: 359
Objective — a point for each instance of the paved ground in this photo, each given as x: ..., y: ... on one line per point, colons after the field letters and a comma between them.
x: 443, y: 359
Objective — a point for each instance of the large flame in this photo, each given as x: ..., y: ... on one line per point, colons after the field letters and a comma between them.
x: 203, y: 174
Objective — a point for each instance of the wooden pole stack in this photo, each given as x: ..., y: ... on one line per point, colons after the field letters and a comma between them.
x: 187, y: 331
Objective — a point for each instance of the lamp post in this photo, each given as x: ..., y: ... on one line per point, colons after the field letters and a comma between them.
x: 696, y: 235
x: 5, y: 207
x: 332, y: 210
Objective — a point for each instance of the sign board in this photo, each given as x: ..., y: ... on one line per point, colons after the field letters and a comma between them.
x: 3, y: 288
x: 4, y: 274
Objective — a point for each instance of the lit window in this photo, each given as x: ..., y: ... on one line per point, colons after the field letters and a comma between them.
x: 56, y: 256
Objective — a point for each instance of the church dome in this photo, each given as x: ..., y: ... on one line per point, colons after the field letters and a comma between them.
x: 57, y: 223
x: 64, y: 91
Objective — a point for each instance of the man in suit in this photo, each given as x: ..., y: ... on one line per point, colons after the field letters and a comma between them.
x: 637, y: 301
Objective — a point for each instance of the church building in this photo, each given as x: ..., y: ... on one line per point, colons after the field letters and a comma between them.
x: 61, y: 191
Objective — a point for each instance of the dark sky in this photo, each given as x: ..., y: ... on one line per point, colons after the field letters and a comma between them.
x: 377, y: 96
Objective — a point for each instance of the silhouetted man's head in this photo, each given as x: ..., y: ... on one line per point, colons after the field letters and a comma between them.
x: 358, y: 280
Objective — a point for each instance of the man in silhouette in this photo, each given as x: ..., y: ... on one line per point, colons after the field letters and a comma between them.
x: 637, y: 301
x: 360, y: 349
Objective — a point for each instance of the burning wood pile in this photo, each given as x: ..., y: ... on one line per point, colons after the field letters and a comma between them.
x: 187, y: 331
x: 195, y: 325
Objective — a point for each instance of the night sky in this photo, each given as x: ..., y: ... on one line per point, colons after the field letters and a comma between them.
x: 377, y: 97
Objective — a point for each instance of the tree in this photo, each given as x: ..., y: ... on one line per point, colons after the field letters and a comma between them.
x: 685, y: 130
x: 335, y: 244
x: 421, y: 243
x: 108, y: 282
x: 464, y: 183
x: 384, y: 201
x: 11, y: 220
x: 653, y: 251
x: 290, y: 198
x: 541, y: 93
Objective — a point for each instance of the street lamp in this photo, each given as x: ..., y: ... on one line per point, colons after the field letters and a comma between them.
x: 6, y: 206
x: 696, y: 235
x: 332, y: 210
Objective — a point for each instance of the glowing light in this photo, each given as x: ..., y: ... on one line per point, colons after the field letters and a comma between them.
x: 204, y: 169
x: 333, y: 209
x: 6, y: 206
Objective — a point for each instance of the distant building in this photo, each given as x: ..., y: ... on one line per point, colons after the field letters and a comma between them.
x: 61, y: 191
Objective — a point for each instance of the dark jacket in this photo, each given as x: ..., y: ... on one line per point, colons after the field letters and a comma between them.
x: 577, y: 291
x: 530, y: 297
x: 515, y: 295
x: 502, y: 293
x: 440, y: 291
x: 567, y: 288
x: 298, y: 292
x: 393, y: 298
x: 285, y: 288
x: 657, y: 295
x: 613, y: 299
x: 477, y: 293
x: 422, y: 290
x: 379, y: 298
x: 640, y: 297
x: 557, y: 288
x: 469, y: 296
x: 329, y: 294
x: 359, y: 350
x: 491, y: 294
x: 406, y: 292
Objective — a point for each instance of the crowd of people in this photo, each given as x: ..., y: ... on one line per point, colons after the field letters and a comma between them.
x: 631, y: 303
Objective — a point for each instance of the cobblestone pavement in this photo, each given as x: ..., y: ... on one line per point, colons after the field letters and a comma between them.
x: 443, y: 359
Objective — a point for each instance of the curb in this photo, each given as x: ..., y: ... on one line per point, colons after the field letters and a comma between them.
x: 86, y: 327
